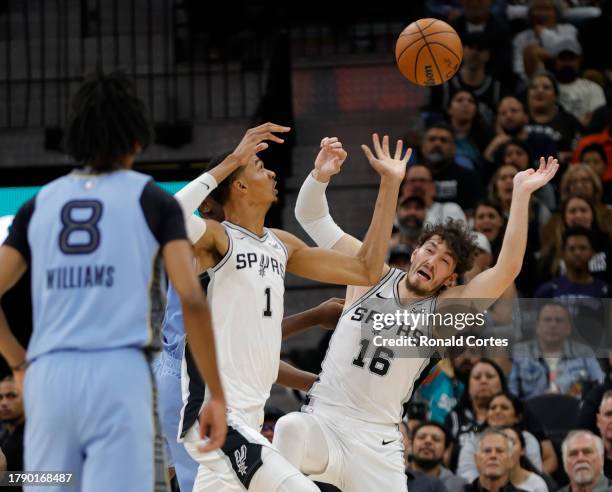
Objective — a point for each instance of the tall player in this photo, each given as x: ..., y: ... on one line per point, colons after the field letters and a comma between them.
x: 95, y: 241
x: 167, y: 367
x: 362, y: 386
x: 247, y: 264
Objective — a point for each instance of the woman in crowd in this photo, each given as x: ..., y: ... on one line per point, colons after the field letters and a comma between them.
x: 576, y: 211
x: 471, y: 136
x: 548, y: 117
x: 523, y: 474
x: 486, y: 379
x: 507, y: 410
x: 490, y: 220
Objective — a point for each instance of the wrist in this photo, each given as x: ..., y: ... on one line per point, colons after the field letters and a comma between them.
x: 320, y: 177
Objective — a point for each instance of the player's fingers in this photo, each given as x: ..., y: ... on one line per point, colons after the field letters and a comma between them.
x: 367, y: 152
x: 385, y: 145
x: 542, y: 163
x: 398, y: 150
x: 336, y: 145
x: 407, y: 155
x: 272, y: 137
x: 376, y: 143
x: 261, y: 146
x: 273, y: 127
x: 323, y: 142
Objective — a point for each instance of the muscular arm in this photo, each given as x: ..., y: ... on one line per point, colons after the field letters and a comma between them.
x: 325, y: 314
x: 292, y: 377
x: 492, y: 283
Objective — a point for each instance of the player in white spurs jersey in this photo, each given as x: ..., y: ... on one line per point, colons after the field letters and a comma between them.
x: 348, y: 433
x: 246, y: 265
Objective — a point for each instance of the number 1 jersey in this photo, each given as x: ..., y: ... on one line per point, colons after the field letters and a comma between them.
x: 245, y: 291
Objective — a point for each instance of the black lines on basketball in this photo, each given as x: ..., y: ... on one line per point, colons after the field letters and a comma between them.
x: 436, y: 43
x: 433, y: 59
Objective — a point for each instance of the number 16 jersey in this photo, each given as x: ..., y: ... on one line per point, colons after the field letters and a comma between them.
x: 245, y: 291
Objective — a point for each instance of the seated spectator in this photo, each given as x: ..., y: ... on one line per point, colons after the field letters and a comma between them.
x: 416, y: 480
x: 485, y: 381
x: 429, y: 442
x: 453, y: 182
x: 494, y: 464
x: 604, y: 426
x: 444, y: 385
x: 548, y: 118
x: 507, y: 410
x: 419, y: 181
x: 583, y: 455
x: 522, y: 474
x: 511, y: 122
x: 578, y: 289
x: 602, y: 137
x: 578, y: 96
x: 515, y: 152
x: 13, y: 424
x: 590, y: 406
x: 474, y: 76
x: 595, y: 157
x: 553, y: 362
x: 489, y: 219
x: 582, y: 179
x: 409, y: 217
x: 478, y: 18
x: 532, y: 47
x: 471, y: 136
x: 576, y: 211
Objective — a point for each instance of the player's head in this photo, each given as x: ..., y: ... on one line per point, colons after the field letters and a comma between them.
x: 251, y: 183
x: 444, y: 251
x: 108, y: 124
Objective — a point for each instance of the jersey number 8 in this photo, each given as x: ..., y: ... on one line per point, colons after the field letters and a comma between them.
x: 80, y: 236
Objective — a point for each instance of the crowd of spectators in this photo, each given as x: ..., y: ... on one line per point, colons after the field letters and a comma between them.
x: 536, y: 80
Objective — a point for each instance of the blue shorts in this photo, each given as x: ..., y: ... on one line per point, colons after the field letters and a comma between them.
x: 92, y: 414
x: 167, y: 371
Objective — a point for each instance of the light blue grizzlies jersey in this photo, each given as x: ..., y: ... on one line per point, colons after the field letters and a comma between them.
x: 173, y: 327
x: 96, y: 267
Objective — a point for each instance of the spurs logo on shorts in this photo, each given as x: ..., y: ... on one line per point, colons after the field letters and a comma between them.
x: 240, y: 455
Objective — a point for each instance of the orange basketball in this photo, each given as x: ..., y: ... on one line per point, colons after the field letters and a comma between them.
x: 428, y: 52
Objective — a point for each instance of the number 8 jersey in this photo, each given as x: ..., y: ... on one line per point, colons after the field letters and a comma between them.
x: 93, y: 243
x: 359, y: 376
x: 245, y: 291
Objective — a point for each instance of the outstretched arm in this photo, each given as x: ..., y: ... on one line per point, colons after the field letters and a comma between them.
x: 292, y: 377
x: 193, y: 194
x: 325, y: 315
x: 492, y: 283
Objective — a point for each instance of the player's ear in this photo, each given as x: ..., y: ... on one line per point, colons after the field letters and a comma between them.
x: 451, y: 281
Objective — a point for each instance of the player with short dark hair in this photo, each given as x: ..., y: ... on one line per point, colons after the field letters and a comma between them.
x: 246, y: 265
x: 363, y: 384
x: 96, y: 241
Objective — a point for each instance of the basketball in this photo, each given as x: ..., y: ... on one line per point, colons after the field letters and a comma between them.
x: 428, y: 52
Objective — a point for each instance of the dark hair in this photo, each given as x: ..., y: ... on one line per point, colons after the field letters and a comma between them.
x: 524, y: 461
x: 498, y: 157
x: 577, y: 231
x: 552, y: 302
x: 491, y: 204
x: 595, y: 147
x: 582, y: 197
x: 106, y: 119
x: 498, y: 370
x: 441, y: 125
x: 431, y: 423
x: 222, y: 191
x: 549, y: 76
x: 459, y: 239
x: 516, y: 403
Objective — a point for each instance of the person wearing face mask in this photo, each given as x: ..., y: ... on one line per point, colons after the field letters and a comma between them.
x: 578, y: 96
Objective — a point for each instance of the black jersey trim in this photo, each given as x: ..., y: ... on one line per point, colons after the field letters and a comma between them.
x: 371, y: 290
x: 243, y: 455
x: 422, y: 374
x: 398, y: 300
x: 196, y: 385
x: 238, y: 228
x: 157, y: 305
x: 227, y: 255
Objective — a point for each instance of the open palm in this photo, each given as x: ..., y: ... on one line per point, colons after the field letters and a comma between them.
x: 531, y: 180
x: 382, y: 162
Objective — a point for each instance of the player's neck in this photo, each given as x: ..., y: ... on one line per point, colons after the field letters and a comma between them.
x: 251, y: 218
x: 405, y: 293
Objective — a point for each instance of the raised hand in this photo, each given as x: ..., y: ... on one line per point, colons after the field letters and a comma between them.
x: 329, y: 160
x: 328, y: 312
x: 531, y: 180
x: 385, y: 165
x: 254, y: 141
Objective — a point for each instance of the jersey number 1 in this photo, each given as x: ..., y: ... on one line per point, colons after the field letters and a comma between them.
x: 268, y: 311
x: 381, y: 359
